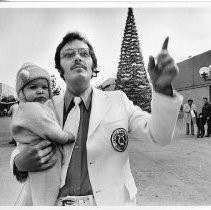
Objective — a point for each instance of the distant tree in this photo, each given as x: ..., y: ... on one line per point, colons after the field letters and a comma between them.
x: 131, y: 75
x: 56, y: 89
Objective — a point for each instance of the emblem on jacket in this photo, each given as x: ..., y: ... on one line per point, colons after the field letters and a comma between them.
x: 119, y: 139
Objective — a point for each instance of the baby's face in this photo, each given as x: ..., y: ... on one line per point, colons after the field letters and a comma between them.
x: 37, y: 91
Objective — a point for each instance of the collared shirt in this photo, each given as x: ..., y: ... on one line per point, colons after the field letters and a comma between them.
x: 85, y: 96
x: 77, y: 180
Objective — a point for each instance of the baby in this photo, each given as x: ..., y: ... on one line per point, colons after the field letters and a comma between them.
x: 200, y: 122
x: 35, y: 118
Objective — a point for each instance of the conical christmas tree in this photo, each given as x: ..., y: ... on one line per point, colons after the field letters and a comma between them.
x: 131, y: 74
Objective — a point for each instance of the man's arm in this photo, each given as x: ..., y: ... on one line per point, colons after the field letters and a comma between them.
x: 21, y: 176
x: 160, y: 124
x: 34, y: 157
x: 165, y: 102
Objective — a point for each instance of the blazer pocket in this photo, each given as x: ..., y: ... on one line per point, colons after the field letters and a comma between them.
x: 131, y: 188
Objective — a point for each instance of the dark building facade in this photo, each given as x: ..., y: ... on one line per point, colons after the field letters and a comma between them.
x: 189, y: 82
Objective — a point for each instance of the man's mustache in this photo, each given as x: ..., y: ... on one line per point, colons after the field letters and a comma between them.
x: 78, y: 66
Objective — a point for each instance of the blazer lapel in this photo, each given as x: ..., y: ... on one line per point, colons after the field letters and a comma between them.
x: 100, y: 105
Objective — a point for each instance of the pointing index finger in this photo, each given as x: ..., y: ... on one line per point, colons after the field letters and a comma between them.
x: 165, y: 43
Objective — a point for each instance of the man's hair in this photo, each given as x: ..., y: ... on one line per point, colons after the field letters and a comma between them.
x: 70, y: 37
x: 205, y: 98
x: 190, y: 100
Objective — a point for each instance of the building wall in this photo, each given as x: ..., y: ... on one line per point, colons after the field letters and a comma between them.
x: 189, y: 76
x: 197, y: 94
x: 189, y: 82
x: 185, y: 77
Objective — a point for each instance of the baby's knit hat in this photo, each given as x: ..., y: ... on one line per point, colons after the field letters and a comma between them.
x: 27, y: 73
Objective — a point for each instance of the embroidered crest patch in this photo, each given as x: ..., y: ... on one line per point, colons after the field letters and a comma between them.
x: 119, y: 139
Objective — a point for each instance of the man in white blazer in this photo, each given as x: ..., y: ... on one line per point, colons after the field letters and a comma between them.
x: 97, y: 165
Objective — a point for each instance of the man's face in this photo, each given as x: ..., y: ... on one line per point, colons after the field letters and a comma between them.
x: 76, y: 61
x: 204, y: 100
x: 190, y: 102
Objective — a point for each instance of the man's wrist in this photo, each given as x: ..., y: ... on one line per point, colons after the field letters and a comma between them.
x: 17, y: 163
x: 21, y: 176
x: 168, y: 90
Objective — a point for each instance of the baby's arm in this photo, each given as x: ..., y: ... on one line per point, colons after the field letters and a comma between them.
x: 40, y: 119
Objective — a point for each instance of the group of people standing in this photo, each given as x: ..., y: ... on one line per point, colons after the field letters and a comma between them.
x: 191, y: 117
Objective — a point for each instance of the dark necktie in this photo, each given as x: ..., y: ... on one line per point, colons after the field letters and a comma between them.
x: 71, y: 125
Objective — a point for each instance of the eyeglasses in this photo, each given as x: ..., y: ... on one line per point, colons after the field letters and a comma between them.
x: 71, y: 52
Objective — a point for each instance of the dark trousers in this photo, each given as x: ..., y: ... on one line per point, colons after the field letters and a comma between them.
x: 201, y: 131
x: 191, y: 127
x: 208, y: 127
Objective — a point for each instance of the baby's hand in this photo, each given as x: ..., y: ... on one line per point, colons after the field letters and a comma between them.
x: 70, y: 141
x: 71, y: 138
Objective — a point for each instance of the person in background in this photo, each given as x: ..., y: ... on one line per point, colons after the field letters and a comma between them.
x: 206, y: 113
x: 98, y: 171
x: 200, y: 122
x: 189, y: 117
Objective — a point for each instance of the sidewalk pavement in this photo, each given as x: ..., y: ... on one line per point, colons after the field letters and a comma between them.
x: 10, y: 188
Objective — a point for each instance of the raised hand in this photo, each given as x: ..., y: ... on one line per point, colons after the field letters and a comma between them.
x: 163, y: 71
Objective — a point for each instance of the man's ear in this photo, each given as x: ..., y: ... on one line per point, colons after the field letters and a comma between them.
x: 95, y: 71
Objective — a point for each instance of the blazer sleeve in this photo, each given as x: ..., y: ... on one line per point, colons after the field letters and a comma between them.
x: 160, y: 124
x: 20, y: 176
x: 40, y: 120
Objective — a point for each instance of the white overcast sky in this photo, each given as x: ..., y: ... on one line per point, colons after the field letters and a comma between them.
x: 32, y: 34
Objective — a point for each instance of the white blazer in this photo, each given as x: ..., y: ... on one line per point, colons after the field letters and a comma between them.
x: 114, y: 121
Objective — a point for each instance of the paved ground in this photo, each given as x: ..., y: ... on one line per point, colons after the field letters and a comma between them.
x: 177, y: 174
x: 8, y: 185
